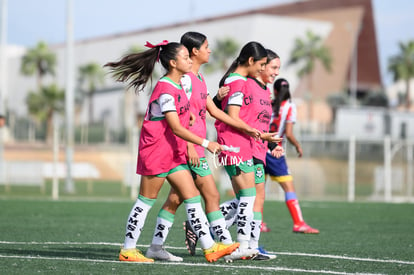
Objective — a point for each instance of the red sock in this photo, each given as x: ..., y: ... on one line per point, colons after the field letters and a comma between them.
x: 295, y: 212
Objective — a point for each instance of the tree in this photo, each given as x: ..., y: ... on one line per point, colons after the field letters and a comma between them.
x: 90, y: 75
x: 378, y: 99
x: 39, y: 61
x: 308, y: 51
x: 402, y: 67
x: 44, y: 103
x: 224, y: 50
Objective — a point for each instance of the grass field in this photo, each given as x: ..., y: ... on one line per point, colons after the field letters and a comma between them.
x: 82, y: 235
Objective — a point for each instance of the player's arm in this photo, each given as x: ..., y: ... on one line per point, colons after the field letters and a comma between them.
x: 182, y: 132
x: 291, y: 137
x: 168, y: 108
x: 223, y: 117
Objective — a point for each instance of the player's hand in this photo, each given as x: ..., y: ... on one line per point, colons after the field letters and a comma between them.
x: 254, y: 133
x: 299, y: 151
x: 277, y: 152
x: 222, y: 92
x: 214, y: 147
x: 271, y: 137
x: 193, y: 158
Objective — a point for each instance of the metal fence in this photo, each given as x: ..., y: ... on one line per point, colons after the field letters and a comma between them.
x: 367, y: 170
x: 330, y: 169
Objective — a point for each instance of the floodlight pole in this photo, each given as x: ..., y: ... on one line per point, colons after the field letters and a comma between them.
x: 69, y: 97
x: 3, y: 77
x: 351, y: 169
x: 355, y: 30
x: 3, y: 55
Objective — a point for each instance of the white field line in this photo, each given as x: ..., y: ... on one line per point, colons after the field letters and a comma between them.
x: 344, y: 258
x: 183, y: 248
x: 189, y: 264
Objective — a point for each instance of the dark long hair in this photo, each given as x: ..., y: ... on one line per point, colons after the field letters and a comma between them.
x: 137, y: 68
x: 251, y: 49
x: 281, y: 92
x: 271, y: 55
x: 192, y: 40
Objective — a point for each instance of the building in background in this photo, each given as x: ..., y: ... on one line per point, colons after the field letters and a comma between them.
x: 346, y: 26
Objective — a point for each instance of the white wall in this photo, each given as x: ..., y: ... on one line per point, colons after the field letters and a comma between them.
x: 274, y: 32
x: 371, y: 123
x: 363, y: 123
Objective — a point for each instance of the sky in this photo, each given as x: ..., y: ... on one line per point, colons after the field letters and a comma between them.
x: 29, y: 21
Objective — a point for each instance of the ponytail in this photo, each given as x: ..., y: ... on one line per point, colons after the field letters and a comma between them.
x: 136, y: 68
x: 231, y: 69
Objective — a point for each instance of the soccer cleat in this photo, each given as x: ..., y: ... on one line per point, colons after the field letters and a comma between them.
x: 133, y: 255
x: 264, y: 228
x: 304, y: 228
x: 263, y: 255
x: 162, y: 254
x: 241, y: 254
x: 219, y: 250
x: 190, y: 238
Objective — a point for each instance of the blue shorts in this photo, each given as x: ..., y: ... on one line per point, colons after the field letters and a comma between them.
x: 277, y: 168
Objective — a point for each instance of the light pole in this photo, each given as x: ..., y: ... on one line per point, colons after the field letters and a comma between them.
x: 353, y: 76
x: 3, y: 79
x: 69, y: 98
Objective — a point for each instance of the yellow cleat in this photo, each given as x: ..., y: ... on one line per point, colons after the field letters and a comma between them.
x: 219, y: 250
x: 133, y: 255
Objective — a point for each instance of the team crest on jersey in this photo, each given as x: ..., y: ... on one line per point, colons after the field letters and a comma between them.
x: 259, y: 172
x: 204, y: 165
x: 249, y: 162
x: 264, y: 117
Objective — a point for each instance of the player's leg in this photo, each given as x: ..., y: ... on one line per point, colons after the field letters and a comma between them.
x: 165, y: 220
x: 183, y: 183
x: 242, y: 177
x: 204, y: 181
x: 292, y: 203
x: 257, y: 213
x: 149, y: 188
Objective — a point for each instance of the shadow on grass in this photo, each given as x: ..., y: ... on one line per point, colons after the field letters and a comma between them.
x: 65, y: 252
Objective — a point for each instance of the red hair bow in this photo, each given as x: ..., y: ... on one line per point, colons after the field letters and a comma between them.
x: 163, y: 43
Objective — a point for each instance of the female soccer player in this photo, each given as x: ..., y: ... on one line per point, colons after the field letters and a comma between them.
x: 284, y: 116
x: 200, y: 102
x: 261, y: 112
x: 239, y: 166
x: 162, y: 145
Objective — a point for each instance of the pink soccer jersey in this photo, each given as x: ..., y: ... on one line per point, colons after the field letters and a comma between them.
x: 196, y: 88
x: 159, y: 149
x: 226, y: 134
x: 261, y: 112
x: 287, y: 113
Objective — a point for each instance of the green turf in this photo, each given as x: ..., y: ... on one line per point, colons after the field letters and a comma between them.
x: 78, y: 235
